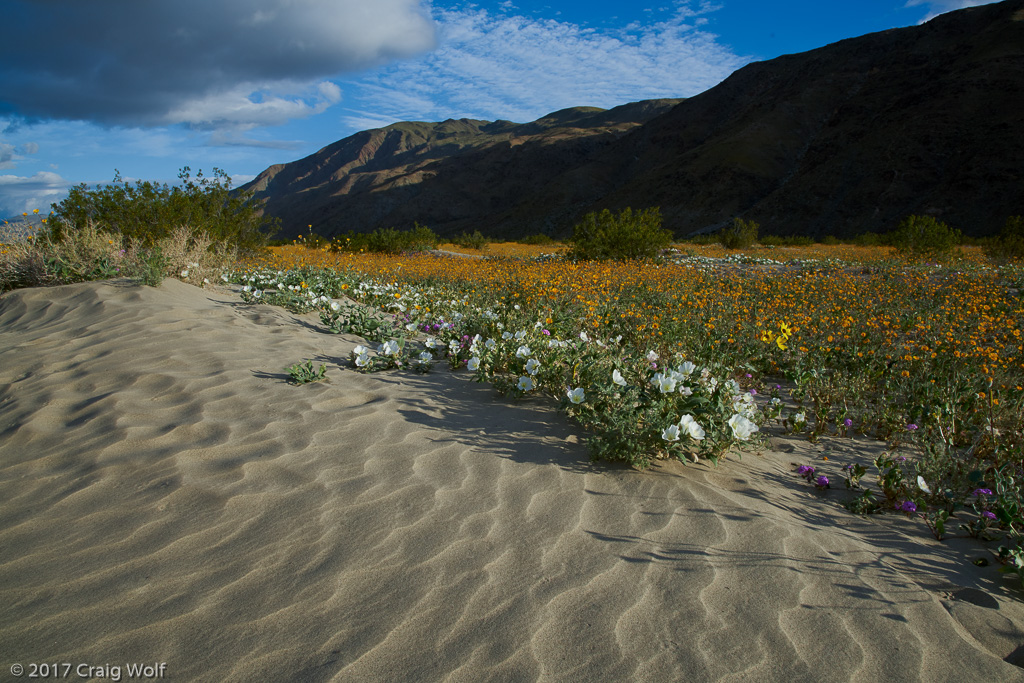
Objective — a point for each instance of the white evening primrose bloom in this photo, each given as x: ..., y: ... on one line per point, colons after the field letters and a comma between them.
x: 430, y: 343
x: 922, y: 484
x: 618, y: 378
x: 652, y: 356
x: 426, y: 356
x: 664, y: 383
x: 490, y: 343
x: 454, y: 346
x: 584, y: 336
x: 335, y: 306
x: 532, y: 366
x: 576, y: 395
x: 687, y: 368
x: 224, y: 277
x: 257, y: 293
x: 691, y: 427
x: 411, y: 327
x: 520, y: 335
x: 671, y: 433
x: 361, y: 359
x: 389, y: 348
x: 799, y: 418
x: 525, y: 383
x: 184, y: 273
x: 523, y: 352
x: 506, y: 335
x: 473, y: 364
x: 685, y: 390
x: 742, y: 428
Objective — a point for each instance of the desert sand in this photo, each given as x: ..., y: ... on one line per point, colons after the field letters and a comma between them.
x: 166, y: 496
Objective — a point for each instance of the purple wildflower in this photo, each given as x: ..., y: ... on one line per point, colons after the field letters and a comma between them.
x: 821, y: 482
x: 983, y: 492
x: 753, y: 392
x: 908, y: 506
x: 749, y: 375
x: 988, y: 514
x: 848, y: 422
x: 805, y: 470
x: 911, y: 427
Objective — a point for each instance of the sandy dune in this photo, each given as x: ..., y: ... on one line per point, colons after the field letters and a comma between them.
x: 166, y: 496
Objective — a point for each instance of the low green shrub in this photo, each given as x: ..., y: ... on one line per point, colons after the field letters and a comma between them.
x: 740, y: 235
x: 388, y: 240
x: 147, y: 212
x: 627, y: 235
x: 539, y: 239
x: 1008, y: 245
x: 476, y: 241
x: 925, y: 238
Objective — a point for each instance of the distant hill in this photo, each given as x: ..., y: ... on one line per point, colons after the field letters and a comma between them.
x: 840, y: 140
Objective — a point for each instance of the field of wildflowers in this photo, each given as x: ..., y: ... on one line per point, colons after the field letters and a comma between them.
x: 691, y: 356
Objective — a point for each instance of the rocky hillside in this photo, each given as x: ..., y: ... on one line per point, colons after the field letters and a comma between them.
x: 840, y: 140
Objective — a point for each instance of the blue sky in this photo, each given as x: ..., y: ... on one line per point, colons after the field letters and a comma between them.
x: 90, y: 86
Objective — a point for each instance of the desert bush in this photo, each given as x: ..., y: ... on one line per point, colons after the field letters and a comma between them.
x: 388, y: 240
x: 740, y: 235
x: 471, y: 241
x: 539, y: 239
x: 147, y: 212
x: 628, y: 235
x: 1008, y: 245
x: 924, y: 237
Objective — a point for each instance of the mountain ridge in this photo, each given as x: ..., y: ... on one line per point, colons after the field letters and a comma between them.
x: 840, y: 140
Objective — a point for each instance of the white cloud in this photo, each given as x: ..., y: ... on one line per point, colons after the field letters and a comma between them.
x: 19, y: 193
x: 223, y: 62
x: 937, y: 7
x: 512, y: 67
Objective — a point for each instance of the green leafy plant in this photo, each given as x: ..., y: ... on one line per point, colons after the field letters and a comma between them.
x: 1008, y: 245
x: 303, y: 373
x: 627, y: 235
x: 740, y: 235
x: 924, y: 237
x: 148, y: 211
x: 475, y: 241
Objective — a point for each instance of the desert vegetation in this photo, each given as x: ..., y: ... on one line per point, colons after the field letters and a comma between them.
x: 687, y: 357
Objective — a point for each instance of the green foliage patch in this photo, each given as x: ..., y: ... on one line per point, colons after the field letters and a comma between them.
x: 603, y: 236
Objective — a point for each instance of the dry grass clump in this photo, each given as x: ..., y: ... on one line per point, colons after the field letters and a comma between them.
x: 88, y: 252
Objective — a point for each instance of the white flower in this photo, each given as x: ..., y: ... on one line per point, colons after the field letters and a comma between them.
x: 426, y: 356
x: 335, y: 306
x: 360, y: 350
x: 921, y: 484
x: 473, y: 363
x: 431, y: 343
x: 687, y: 368
x: 523, y: 352
x: 506, y: 335
x: 742, y: 428
x: 652, y: 356
x: 362, y: 359
x: 666, y: 384
x: 799, y: 418
x: 389, y: 348
x: 576, y: 395
x: 691, y: 427
x: 410, y: 327
x: 532, y: 366
x: 671, y: 433
x: 224, y: 277
x: 454, y: 346
x: 258, y: 293
x: 685, y: 390
x: 525, y: 383
x: 618, y: 379
x: 490, y: 343
x: 584, y: 336
x: 184, y: 273
x: 520, y: 335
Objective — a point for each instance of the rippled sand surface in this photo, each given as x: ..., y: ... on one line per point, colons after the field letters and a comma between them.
x: 166, y: 496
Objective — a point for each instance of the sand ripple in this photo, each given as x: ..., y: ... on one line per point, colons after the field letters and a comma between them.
x: 167, y: 496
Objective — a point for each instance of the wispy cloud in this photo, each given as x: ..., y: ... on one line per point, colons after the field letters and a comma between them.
x: 513, y: 67
x: 19, y: 194
x: 209, y: 63
x: 937, y: 7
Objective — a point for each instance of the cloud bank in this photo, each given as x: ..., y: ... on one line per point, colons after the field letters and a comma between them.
x: 511, y: 67
x: 208, y: 63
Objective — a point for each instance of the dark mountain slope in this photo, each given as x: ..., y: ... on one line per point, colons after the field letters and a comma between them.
x: 840, y: 140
